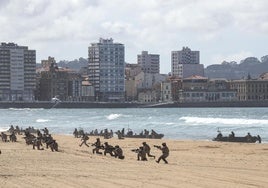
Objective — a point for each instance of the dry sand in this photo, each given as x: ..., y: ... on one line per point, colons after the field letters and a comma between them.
x: 191, y: 164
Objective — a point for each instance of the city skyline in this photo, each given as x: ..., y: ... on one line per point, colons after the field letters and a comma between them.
x: 229, y: 30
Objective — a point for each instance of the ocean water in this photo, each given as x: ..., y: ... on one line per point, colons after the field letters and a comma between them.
x: 174, y: 123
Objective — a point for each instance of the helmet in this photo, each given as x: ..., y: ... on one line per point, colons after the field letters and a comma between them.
x: 164, y: 144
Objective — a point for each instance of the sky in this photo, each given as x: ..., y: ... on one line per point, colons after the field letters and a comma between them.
x: 228, y: 30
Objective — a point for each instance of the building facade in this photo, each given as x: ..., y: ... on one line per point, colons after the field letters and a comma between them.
x: 149, y: 63
x: 187, y: 70
x: 184, y: 57
x: 251, y: 89
x: 54, y: 83
x: 106, y: 64
x: 166, y: 91
x: 17, y: 72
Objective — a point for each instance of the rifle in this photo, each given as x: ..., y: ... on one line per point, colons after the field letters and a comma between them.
x: 135, y: 150
x: 158, y: 147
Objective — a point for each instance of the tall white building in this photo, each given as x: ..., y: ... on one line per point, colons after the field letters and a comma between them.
x: 149, y: 63
x: 185, y: 62
x: 17, y: 73
x: 106, y: 64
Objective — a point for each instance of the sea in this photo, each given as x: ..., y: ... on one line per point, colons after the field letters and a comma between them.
x: 174, y: 123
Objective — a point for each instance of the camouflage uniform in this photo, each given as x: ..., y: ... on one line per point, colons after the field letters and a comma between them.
x: 141, y: 154
x: 165, y: 153
x: 118, y: 152
x: 84, y: 140
x: 108, y: 149
x: 147, y: 149
x: 97, y: 145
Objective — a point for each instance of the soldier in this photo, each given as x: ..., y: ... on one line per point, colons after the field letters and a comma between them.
x: 39, y: 134
x: 147, y: 149
x: 118, y: 152
x: 75, y: 133
x: 53, y: 145
x: 37, y: 143
x: 165, y: 153
x: 141, y: 154
x: 48, y: 140
x: 97, y: 145
x: 249, y: 137
x: 4, y: 137
x: 13, y: 137
x: 46, y: 132
x: 84, y: 140
x: 108, y: 149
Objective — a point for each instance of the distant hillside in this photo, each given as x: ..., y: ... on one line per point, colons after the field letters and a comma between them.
x: 232, y: 70
x: 75, y: 64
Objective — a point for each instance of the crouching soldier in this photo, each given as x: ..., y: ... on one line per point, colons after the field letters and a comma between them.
x: 118, y: 152
x: 53, y: 145
x: 37, y: 143
x: 165, y: 153
x: 108, y: 149
x: 141, y: 154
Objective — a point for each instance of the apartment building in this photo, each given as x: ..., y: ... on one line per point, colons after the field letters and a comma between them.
x: 149, y: 63
x: 185, y: 63
x: 106, y: 64
x: 17, y: 72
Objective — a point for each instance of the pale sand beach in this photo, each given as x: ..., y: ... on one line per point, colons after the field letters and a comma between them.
x: 191, y: 164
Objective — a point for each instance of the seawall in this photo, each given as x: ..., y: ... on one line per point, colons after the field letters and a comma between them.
x: 49, y: 105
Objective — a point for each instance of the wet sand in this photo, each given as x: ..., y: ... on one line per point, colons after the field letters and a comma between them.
x: 191, y: 164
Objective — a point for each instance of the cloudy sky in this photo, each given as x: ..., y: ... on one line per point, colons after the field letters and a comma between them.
x: 219, y: 29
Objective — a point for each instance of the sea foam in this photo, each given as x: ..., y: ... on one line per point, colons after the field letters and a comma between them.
x: 42, y: 120
x: 113, y: 116
x: 225, y: 121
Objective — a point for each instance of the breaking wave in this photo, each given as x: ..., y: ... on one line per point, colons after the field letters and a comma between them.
x: 113, y: 116
x: 225, y: 121
x: 42, y: 120
x: 3, y: 129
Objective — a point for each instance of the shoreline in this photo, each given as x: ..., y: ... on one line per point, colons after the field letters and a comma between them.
x: 191, y: 164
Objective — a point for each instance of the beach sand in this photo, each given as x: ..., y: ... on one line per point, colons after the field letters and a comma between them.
x: 191, y: 164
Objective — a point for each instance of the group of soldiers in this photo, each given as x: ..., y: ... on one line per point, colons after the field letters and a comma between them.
x: 117, y: 152
x: 145, y: 150
x: 105, y: 133
x: 114, y: 151
x: 37, y: 141
x: 11, y: 137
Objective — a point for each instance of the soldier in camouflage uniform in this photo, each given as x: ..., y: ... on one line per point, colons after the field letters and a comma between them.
x: 165, y: 153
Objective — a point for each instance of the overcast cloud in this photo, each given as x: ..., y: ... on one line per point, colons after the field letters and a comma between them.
x: 220, y: 30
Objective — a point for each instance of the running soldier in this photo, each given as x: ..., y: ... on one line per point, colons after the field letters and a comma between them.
x: 84, y: 140
x: 98, y: 146
x: 165, y: 153
x: 147, y: 149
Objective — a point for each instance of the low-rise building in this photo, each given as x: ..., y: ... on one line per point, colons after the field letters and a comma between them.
x: 166, y: 91
x: 251, y: 89
x: 148, y: 96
